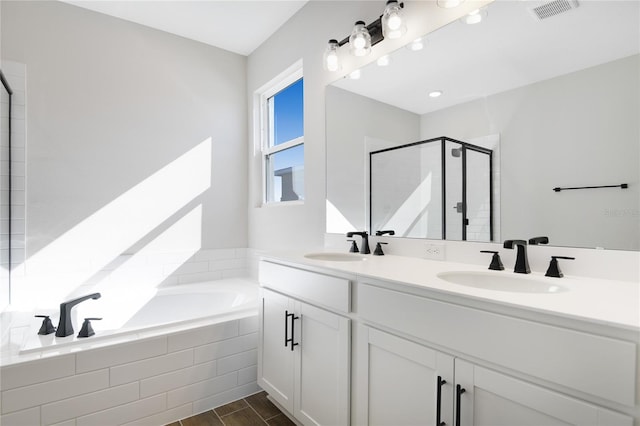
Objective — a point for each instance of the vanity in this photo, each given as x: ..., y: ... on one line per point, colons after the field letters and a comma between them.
x: 393, y: 340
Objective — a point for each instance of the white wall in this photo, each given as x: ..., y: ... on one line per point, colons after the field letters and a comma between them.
x: 129, y: 131
x: 542, y: 138
x: 305, y: 37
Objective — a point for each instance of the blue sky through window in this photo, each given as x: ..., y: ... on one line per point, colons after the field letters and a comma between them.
x: 288, y: 113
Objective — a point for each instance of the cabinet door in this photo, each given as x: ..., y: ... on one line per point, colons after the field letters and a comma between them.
x: 495, y: 399
x: 398, y: 381
x: 275, y: 360
x: 322, y: 367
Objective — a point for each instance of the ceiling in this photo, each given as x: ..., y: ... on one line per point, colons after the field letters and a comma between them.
x: 509, y: 49
x: 238, y: 26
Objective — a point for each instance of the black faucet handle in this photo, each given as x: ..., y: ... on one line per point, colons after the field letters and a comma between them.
x: 87, y: 330
x: 496, y: 262
x: 354, y: 247
x: 378, y: 251
x: 538, y: 240
x: 47, y: 326
x: 554, y: 269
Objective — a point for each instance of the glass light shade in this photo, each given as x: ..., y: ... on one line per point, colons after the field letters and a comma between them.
x: 393, y: 23
x: 360, y: 40
x: 331, y: 59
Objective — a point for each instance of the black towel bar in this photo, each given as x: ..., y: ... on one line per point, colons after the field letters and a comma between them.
x: 622, y: 185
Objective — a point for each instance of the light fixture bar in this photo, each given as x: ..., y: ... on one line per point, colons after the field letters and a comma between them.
x: 375, y: 31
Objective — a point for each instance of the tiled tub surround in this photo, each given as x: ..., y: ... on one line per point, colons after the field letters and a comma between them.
x: 153, y: 380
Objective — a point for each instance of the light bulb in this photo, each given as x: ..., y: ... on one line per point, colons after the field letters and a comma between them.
x: 360, y: 40
x: 393, y: 25
x: 331, y: 59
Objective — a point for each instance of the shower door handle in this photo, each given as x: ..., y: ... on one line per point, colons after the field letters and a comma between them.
x: 459, y: 207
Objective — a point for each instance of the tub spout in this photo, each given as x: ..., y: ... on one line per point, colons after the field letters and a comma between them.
x: 65, y: 328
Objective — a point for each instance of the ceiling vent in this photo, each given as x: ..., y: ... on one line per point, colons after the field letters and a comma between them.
x: 546, y: 10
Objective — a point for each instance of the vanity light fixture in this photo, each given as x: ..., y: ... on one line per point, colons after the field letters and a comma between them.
x: 360, y: 40
x: 449, y: 4
x: 331, y: 59
x: 391, y: 24
x: 435, y: 93
x: 475, y: 16
x: 383, y: 61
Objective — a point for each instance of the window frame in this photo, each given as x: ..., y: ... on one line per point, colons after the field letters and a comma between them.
x: 266, y: 136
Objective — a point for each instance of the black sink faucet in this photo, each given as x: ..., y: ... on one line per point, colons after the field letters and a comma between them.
x: 65, y: 328
x: 522, y: 263
x: 364, y: 247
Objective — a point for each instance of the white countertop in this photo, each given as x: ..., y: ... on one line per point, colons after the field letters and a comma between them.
x: 608, y: 302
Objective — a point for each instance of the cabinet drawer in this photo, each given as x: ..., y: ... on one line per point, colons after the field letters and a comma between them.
x: 596, y: 365
x: 332, y: 292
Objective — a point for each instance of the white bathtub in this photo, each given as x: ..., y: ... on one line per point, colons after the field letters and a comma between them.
x: 156, y: 312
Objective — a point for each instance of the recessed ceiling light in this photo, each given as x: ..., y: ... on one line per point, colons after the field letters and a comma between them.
x: 435, y: 93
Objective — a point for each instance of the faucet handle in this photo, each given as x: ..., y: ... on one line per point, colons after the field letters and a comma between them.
x: 378, y: 251
x: 496, y: 262
x: 46, y: 327
x: 554, y: 270
x: 87, y: 330
x: 354, y: 247
x: 383, y: 232
x: 538, y: 240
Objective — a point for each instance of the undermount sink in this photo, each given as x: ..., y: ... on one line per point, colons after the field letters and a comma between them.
x: 336, y: 257
x: 506, y: 281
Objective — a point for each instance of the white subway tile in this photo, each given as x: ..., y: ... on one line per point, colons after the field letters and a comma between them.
x: 225, y: 397
x: 29, y: 373
x: 218, y: 265
x: 235, y: 273
x: 71, y: 422
x: 214, y: 254
x: 177, y: 379
x: 248, y: 375
x: 165, y: 417
x: 238, y: 361
x: 54, y: 390
x: 199, y: 277
x: 125, y: 413
x: 248, y: 325
x: 126, y: 373
x: 225, y: 348
x: 202, y: 336
x: 201, y: 390
x: 28, y: 417
x: 120, y: 354
x: 89, y: 403
x: 186, y: 268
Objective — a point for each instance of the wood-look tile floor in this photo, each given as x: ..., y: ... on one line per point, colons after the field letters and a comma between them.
x: 252, y: 410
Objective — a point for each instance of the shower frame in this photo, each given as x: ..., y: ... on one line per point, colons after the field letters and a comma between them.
x: 7, y: 87
x: 464, y: 147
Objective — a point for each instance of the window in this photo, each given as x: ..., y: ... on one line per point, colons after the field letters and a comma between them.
x: 283, y: 139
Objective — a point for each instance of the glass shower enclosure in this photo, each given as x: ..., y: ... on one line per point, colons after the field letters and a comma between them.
x: 438, y: 188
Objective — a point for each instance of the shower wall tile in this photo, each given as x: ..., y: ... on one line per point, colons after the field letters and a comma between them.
x: 120, y: 354
x: 29, y: 373
x: 125, y: 413
x: 164, y: 417
x: 28, y: 417
x: 203, y: 335
x: 150, y: 367
x: 225, y: 348
x: 202, y: 389
x: 177, y: 379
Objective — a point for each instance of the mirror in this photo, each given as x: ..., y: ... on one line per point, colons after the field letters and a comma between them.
x: 558, y: 96
x: 5, y: 190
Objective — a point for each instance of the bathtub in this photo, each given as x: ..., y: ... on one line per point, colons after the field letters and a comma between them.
x: 188, y: 349
x: 156, y: 311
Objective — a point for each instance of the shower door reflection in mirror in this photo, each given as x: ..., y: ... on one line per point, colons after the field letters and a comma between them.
x: 5, y: 193
x: 439, y: 189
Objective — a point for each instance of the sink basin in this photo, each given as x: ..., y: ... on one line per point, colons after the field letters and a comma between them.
x: 336, y: 257
x: 507, y: 281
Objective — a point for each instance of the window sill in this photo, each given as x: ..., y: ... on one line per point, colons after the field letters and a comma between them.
x: 283, y: 203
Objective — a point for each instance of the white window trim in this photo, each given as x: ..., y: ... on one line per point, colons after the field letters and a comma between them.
x: 275, y: 85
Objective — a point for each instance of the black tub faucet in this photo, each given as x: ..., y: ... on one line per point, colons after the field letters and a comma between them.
x: 65, y: 328
x: 364, y: 247
x: 522, y: 263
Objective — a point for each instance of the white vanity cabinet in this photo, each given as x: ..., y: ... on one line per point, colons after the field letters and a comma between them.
x: 399, y: 376
x: 304, y: 356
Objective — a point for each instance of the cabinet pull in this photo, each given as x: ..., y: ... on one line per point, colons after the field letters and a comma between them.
x: 438, y: 401
x: 286, y: 329
x: 459, y: 391
x: 293, y: 319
